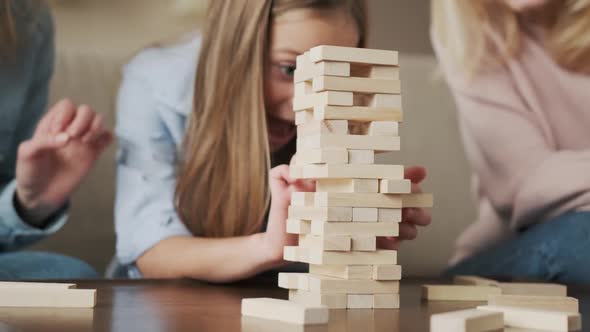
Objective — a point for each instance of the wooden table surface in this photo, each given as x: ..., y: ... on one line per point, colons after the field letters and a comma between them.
x: 184, y: 305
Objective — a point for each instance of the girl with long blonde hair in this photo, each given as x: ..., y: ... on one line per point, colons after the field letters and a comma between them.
x: 520, y: 74
x: 203, y: 184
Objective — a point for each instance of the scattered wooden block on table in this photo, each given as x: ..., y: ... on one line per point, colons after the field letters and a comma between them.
x: 386, y: 100
x: 320, y: 213
x: 357, y: 113
x: 551, y: 303
x: 537, y: 319
x: 348, y: 185
x: 348, y: 171
x: 386, y: 301
x: 331, y: 285
x: 35, y: 285
x: 388, y: 186
x: 364, y: 243
x: 321, y: 99
x: 296, y: 226
x: 474, y: 280
x: 332, y: 301
x: 52, y: 296
x: 301, y: 199
x: 283, y: 310
x: 387, y: 272
x: 354, y: 228
x: 363, y: 157
x: 383, y: 128
x: 353, y: 55
x: 343, y: 271
x: 365, y: 214
x: 319, y: 257
x: 360, y: 142
x: 545, y: 289
x: 458, y: 292
x: 360, y: 301
x: 355, y: 84
x: 321, y: 156
x: 470, y: 320
x: 323, y: 127
x: 389, y: 215
x: 326, y: 242
x: 373, y: 200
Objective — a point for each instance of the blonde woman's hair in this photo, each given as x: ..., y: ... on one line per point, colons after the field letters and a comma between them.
x: 222, y: 186
x: 480, y: 33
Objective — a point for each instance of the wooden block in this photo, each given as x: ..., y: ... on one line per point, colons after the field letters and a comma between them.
x: 474, y: 280
x: 361, y: 272
x: 51, y: 297
x: 318, y: 257
x: 304, y: 117
x: 284, y: 310
x: 389, y: 215
x: 365, y: 214
x: 353, y: 55
x: 296, y: 254
x: 328, y: 68
x: 348, y: 185
x: 302, y: 199
x: 296, y: 226
x: 321, y: 156
x: 332, y: 301
x: 327, y: 242
x: 469, y: 320
x: 357, y: 113
x: 360, y: 301
x: 416, y: 200
x: 355, y: 84
x: 342, y: 214
x: 385, y: 72
x: 373, y: 200
x: 458, y: 292
x: 359, y: 142
x: 34, y: 285
x: 386, y: 100
x: 331, y: 285
x: 293, y: 280
x: 364, y: 157
x: 383, y: 128
x: 302, y: 89
x: 364, y: 243
x: 348, y: 171
x: 386, y: 301
x: 514, y: 288
x: 354, y: 228
x: 322, y: 127
x: 324, y: 98
x: 551, y: 303
x: 388, y: 186
x: 537, y: 319
x: 387, y: 272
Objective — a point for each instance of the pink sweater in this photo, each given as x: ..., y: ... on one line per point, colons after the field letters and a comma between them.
x: 526, y: 131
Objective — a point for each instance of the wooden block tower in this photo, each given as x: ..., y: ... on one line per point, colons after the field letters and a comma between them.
x: 348, y: 108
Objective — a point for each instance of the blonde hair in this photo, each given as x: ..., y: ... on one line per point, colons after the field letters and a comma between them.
x: 222, y: 185
x: 480, y: 33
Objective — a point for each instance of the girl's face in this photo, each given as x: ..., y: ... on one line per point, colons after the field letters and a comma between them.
x: 521, y: 6
x: 292, y: 34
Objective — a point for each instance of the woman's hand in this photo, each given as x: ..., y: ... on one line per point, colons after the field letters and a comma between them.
x: 51, y: 164
x: 411, y: 217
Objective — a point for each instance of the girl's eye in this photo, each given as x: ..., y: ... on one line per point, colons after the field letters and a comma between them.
x: 288, y: 70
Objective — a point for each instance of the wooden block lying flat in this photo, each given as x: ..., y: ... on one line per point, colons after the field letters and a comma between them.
x: 551, y: 303
x: 321, y: 156
x: 373, y: 200
x: 537, y: 319
x: 360, y: 272
x: 351, y: 171
x: 321, y: 99
x: 302, y: 89
x: 331, y: 285
x: 302, y: 199
x: 353, y: 55
x: 386, y: 301
x: 513, y: 288
x: 355, y: 84
x: 360, y: 301
x: 35, y: 285
x: 323, y: 127
x: 365, y: 214
x: 386, y: 100
x: 295, y: 254
x: 354, y: 228
x: 283, y: 310
x: 332, y: 301
x: 296, y: 226
x: 326, y: 242
x: 395, y: 186
x: 328, y: 68
x: 389, y: 215
x: 361, y: 142
x: 383, y: 128
x: 304, y: 117
x: 348, y: 185
x: 318, y: 257
x: 387, y: 272
x: 50, y: 297
x: 363, y: 157
x: 364, y: 243
x: 474, y: 280
x: 470, y: 320
x: 458, y: 292
x: 320, y: 213
x: 358, y: 113
x: 385, y: 72
x: 293, y: 280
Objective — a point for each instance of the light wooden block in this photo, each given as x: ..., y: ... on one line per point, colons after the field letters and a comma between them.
x: 304, y: 117
x: 296, y: 254
x: 293, y: 281
x: 329, y: 68
x: 355, y: 84
x: 332, y: 301
x: 386, y: 301
x: 360, y: 301
x: 474, y: 280
x: 389, y: 215
x: 361, y: 272
x: 469, y: 320
x: 327, y: 242
x: 288, y: 311
x: 359, y: 142
x: 551, y: 303
x: 364, y: 243
x: 296, y: 226
x: 319, y: 257
x: 357, y: 113
x: 302, y: 198
x: 302, y: 89
x: 365, y: 214
x: 458, y: 292
x: 49, y: 297
x: 388, y: 186
x: 348, y: 185
x: 387, y: 272
x: 323, y: 127
x: 331, y: 285
x: 354, y: 228
x: 384, y: 72
x: 349, y: 171
x: 373, y: 200
x: 514, y: 288
x: 34, y: 285
x: 363, y: 157
x: 416, y: 200
x: 321, y: 156
x: 321, y: 99
x: 342, y: 214
x: 383, y: 128
x: 386, y: 100
x: 537, y: 319
x: 353, y: 55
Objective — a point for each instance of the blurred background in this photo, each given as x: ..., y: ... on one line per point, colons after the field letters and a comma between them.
x: 95, y: 38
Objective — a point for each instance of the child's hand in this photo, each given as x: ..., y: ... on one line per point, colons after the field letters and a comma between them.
x: 411, y: 217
